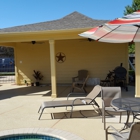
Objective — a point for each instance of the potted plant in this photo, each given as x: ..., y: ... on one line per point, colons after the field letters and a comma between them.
x: 32, y: 83
x: 38, y: 76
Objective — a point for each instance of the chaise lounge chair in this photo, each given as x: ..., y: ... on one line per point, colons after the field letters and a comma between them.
x: 88, y: 100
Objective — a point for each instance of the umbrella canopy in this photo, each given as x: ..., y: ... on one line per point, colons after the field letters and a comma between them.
x: 121, y: 30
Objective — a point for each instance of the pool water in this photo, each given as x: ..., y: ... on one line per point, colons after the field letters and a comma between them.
x: 29, y: 137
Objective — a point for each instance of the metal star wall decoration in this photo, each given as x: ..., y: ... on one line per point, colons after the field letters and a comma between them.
x: 60, y: 57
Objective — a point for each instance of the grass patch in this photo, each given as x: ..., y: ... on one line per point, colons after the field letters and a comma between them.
x: 6, y: 73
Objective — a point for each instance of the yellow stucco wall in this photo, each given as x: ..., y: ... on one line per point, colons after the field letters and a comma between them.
x: 31, y: 57
x: 98, y: 58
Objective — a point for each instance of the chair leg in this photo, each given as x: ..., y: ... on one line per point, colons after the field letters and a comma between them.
x: 72, y: 90
x: 120, y: 117
x: 69, y: 95
x: 41, y: 113
x: 135, y: 116
x: 71, y: 112
x: 39, y: 109
x: 104, y: 121
x: 84, y: 90
x: 52, y: 116
x: 103, y: 118
x: 106, y: 134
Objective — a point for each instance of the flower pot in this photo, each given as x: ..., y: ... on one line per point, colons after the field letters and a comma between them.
x: 32, y: 84
x: 37, y: 83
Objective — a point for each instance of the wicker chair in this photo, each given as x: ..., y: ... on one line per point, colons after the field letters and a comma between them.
x: 79, y: 82
x: 82, y: 74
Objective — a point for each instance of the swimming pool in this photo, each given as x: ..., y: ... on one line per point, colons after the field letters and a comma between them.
x: 29, y: 137
x: 37, y: 134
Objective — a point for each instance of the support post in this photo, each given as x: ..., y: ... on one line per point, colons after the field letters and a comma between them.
x: 53, y: 68
x: 16, y: 67
x: 137, y: 69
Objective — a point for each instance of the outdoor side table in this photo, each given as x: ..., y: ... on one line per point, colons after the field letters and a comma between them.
x: 131, y: 105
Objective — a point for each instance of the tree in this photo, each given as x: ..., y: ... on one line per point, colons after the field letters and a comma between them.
x: 128, y: 10
x: 131, y: 48
x: 7, y: 51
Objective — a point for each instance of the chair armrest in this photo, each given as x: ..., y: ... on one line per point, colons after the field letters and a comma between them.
x: 117, y: 132
x: 70, y: 94
x: 111, y: 106
x: 73, y: 78
x: 81, y: 99
x: 87, y: 99
x: 79, y: 82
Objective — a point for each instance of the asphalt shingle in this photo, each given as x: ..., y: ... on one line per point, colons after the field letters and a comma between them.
x: 74, y: 20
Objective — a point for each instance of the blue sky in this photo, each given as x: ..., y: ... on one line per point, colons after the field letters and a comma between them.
x: 21, y: 12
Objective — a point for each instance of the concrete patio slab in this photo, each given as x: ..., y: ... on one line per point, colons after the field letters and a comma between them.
x: 19, y: 110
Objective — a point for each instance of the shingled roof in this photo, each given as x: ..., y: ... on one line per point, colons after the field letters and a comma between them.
x: 74, y: 20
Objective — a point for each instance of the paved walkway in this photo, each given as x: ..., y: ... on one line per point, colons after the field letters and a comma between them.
x: 19, y: 106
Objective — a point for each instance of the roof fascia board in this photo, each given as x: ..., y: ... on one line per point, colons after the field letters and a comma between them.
x: 45, y: 31
x: 69, y: 34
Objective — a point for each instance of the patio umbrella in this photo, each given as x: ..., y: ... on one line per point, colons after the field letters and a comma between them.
x: 121, y: 30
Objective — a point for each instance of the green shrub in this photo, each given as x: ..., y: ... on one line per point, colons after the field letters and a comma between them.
x: 131, y: 72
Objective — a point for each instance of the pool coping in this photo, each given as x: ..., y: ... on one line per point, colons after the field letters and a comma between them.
x: 64, y: 135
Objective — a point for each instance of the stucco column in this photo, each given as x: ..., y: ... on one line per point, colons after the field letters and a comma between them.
x: 16, y: 67
x: 53, y: 68
x: 137, y: 69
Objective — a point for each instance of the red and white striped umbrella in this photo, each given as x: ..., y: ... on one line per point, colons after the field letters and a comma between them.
x: 121, y: 30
